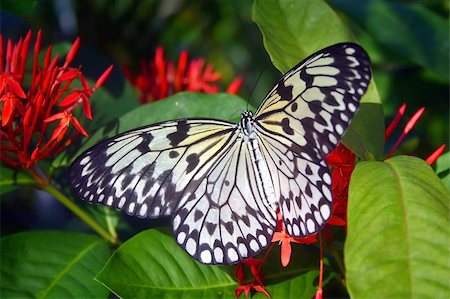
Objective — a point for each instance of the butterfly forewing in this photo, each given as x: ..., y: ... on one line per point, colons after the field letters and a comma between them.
x: 306, y: 114
x: 144, y: 171
x: 222, y: 183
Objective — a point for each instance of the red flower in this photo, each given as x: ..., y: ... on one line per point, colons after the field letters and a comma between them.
x: 159, y: 78
x: 285, y: 240
x: 26, y: 133
x: 255, y: 269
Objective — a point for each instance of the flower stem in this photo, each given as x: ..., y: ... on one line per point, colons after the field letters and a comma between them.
x: 79, y: 212
x: 45, y: 185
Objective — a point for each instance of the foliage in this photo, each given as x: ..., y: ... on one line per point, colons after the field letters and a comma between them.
x: 398, y: 207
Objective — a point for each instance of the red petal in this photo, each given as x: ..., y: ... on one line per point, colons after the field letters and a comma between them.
x: 56, y: 116
x: 73, y: 51
x: 285, y: 253
x: 69, y: 74
x: 59, y: 132
x: 86, y: 107
x: 234, y: 87
x: 78, y: 126
x: 103, y: 77
x: 412, y: 122
x: 395, y: 121
x: 261, y: 289
x: 16, y: 89
x: 70, y: 99
x: 8, y: 109
x: 277, y: 236
x: 434, y: 156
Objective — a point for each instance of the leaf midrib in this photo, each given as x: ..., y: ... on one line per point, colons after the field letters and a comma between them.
x: 70, y: 265
x: 405, y: 222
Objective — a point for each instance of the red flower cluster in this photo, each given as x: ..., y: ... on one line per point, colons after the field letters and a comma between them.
x: 341, y: 162
x: 159, y: 78
x: 27, y: 115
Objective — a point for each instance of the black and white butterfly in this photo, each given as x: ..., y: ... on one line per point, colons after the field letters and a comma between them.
x: 221, y: 182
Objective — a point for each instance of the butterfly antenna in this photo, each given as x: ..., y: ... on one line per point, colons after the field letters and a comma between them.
x: 256, y: 83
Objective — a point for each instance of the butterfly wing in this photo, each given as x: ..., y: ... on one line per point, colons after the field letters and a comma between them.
x: 301, y: 120
x: 222, y: 217
x: 145, y: 171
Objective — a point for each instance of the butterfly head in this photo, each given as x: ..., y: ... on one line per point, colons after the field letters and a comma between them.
x: 247, y: 125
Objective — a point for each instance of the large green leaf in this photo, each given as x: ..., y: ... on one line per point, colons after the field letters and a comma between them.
x: 151, y: 265
x: 181, y: 105
x: 414, y: 31
x: 294, y: 29
x: 398, y: 231
x: 11, y: 179
x: 50, y: 264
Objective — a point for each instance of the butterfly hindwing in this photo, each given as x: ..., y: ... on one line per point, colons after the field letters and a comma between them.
x: 222, y: 217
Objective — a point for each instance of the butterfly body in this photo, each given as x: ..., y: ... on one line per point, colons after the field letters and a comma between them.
x: 222, y: 183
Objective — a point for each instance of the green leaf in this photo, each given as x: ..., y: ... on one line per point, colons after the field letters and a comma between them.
x: 11, y: 179
x: 181, y: 105
x: 294, y: 29
x: 398, y: 232
x: 443, y: 169
x: 364, y: 136
x: 151, y: 265
x: 414, y: 31
x: 50, y: 264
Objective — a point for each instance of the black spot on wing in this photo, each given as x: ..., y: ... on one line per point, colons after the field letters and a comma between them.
x: 286, y: 126
x: 193, y: 160
x: 229, y: 226
x: 198, y: 215
x: 294, y: 107
x: 173, y: 154
x: 285, y: 92
x: 181, y: 133
x: 211, y: 227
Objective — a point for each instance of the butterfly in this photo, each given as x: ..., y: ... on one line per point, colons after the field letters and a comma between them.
x: 222, y: 183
